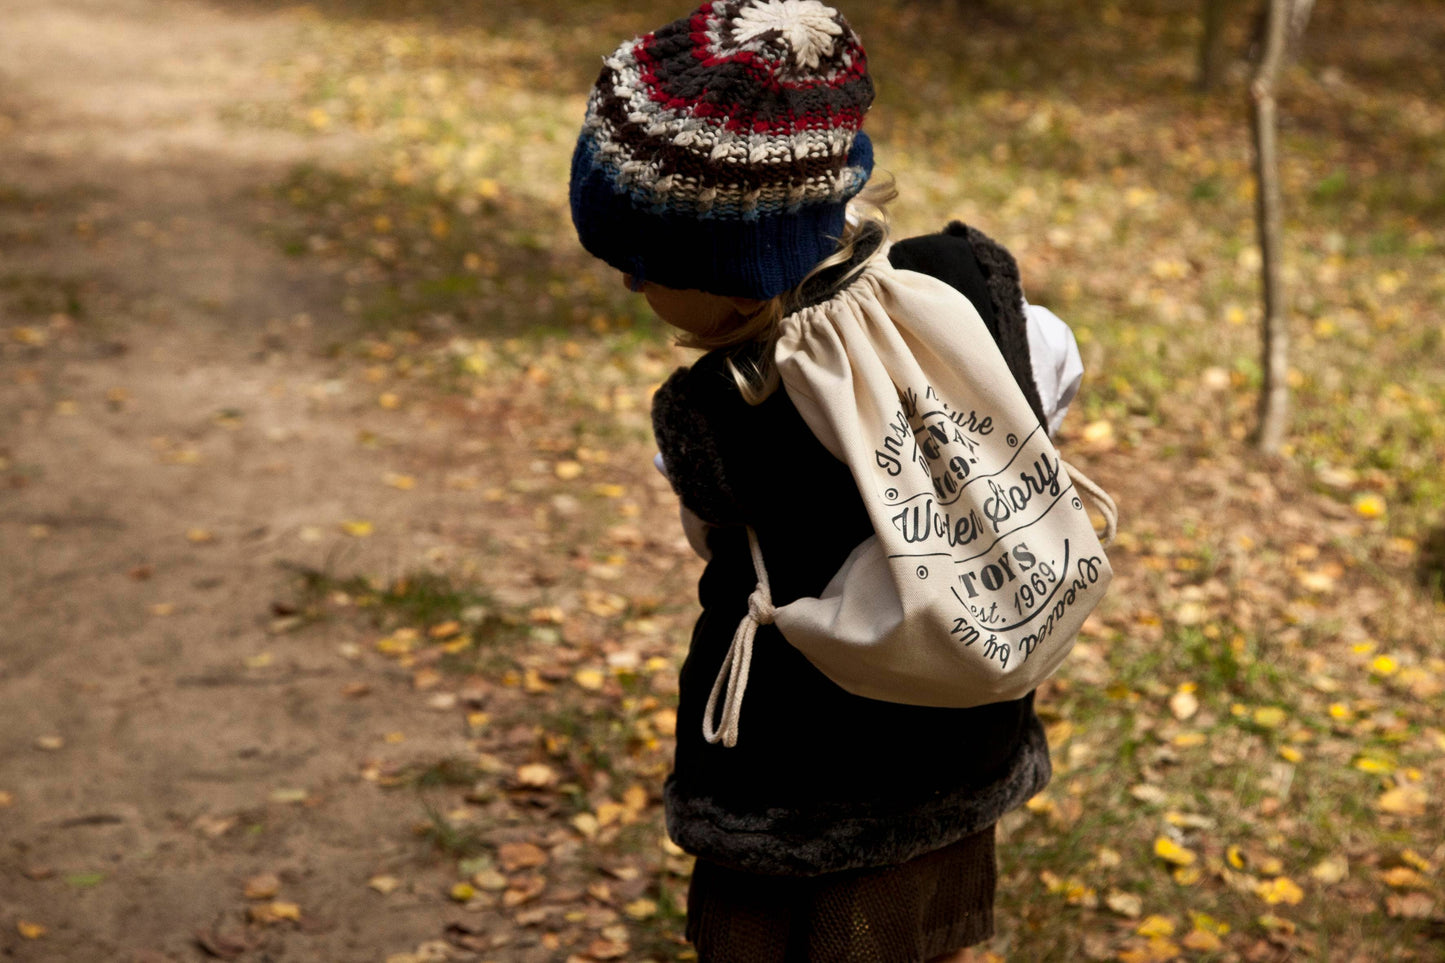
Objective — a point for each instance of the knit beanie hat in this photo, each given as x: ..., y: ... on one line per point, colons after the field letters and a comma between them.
x: 720, y: 151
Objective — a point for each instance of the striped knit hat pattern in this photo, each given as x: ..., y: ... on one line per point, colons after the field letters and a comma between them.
x: 720, y: 151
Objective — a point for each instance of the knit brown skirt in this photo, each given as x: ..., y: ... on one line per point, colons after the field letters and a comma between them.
x: 931, y: 905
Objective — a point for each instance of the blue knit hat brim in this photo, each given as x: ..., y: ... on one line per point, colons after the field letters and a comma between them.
x: 760, y: 255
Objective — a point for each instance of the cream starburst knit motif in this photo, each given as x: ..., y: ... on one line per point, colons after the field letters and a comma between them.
x: 807, y: 26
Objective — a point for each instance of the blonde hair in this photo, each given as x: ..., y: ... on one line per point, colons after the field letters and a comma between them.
x: 757, y: 378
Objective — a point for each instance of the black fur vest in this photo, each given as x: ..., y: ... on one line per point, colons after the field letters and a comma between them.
x: 822, y: 780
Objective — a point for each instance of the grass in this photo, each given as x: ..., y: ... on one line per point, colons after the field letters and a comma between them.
x: 42, y: 295
x: 450, y: 839
x: 423, y: 598
x: 451, y: 771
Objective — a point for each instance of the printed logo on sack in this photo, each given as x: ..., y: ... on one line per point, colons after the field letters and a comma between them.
x: 1012, y: 591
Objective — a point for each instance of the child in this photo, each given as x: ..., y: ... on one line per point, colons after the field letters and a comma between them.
x: 715, y: 170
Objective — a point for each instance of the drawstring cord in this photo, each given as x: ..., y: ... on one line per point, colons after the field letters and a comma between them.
x: 733, y: 675
x: 1101, y: 502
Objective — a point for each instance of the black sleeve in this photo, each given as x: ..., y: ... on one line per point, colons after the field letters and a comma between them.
x: 986, y: 273
x: 689, y: 412
x: 733, y: 463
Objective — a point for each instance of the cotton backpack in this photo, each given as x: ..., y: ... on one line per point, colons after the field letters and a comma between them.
x: 983, y: 564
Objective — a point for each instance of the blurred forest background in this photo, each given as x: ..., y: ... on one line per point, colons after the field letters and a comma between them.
x: 344, y: 607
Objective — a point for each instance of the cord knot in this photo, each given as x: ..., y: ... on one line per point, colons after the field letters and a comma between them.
x: 760, y: 606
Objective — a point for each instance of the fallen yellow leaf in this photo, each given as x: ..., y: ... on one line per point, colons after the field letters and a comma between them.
x: 1202, y: 941
x: 1404, y: 801
x: 1376, y: 767
x: 590, y: 679
x: 1281, y: 889
x: 1191, y: 613
x: 285, y: 911
x: 635, y: 799
x: 1125, y: 904
x: 29, y: 930
x: 537, y: 775
x: 1410, y: 906
x: 1203, y: 921
x: 1270, y: 717
x: 264, y: 886
x: 641, y: 909
x: 1171, y: 852
x: 1156, y: 925
x: 385, y: 885
x: 1157, y: 950
x: 358, y: 528
x: 489, y: 880
x: 399, y: 642
x: 1059, y: 732
x: 1369, y: 506
x: 610, y: 812
x: 1187, y: 875
x: 1277, y: 923
x: 515, y: 856
x: 1384, y: 665
x: 1100, y: 433
x: 1330, y: 870
x: 1184, y: 704
x: 604, y: 605
x: 523, y: 889
x: 1403, y: 876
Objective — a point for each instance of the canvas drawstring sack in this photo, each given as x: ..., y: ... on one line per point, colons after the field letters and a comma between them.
x: 983, y: 564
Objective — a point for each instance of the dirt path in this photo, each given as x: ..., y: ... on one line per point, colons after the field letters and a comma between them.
x: 170, y: 433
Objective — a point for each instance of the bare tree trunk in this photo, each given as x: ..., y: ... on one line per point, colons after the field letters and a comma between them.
x: 1211, y: 45
x: 1274, y: 393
